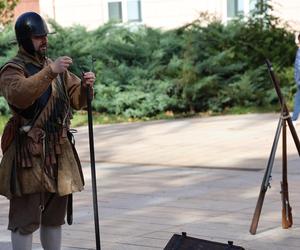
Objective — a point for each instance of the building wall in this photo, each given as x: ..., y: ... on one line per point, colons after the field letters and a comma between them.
x: 155, y: 13
x: 173, y: 13
x: 70, y: 12
x: 26, y: 5
x: 289, y: 11
x: 164, y: 14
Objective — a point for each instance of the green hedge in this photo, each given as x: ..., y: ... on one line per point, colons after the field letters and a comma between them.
x: 203, y: 66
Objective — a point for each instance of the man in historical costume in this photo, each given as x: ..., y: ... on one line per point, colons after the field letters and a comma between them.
x: 40, y: 168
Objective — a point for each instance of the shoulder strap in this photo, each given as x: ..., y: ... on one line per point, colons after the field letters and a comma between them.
x: 15, y: 62
x: 33, y: 110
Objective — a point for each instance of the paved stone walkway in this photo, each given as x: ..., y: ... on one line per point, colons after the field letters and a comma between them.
x: 201, y: 176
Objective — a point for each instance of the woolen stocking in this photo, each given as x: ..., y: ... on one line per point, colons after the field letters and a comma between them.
x: 50, y: 237
x: 21, y: 241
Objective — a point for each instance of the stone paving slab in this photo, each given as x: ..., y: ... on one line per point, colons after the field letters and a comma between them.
x: 240, y: 141
x: 206, y: 185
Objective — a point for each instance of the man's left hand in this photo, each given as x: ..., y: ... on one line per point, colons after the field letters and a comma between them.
x: 88, y: 79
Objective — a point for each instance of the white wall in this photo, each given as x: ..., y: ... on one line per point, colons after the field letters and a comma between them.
x: 173, y: 13
x: 289, y: 11
x: 156, y: 13
x: 165, y: 14
x: 88, y: 13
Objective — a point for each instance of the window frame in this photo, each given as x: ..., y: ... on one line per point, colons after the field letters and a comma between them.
x: 139, y: 10
x: 246, y: 10
x: 119, y: 2
x: 124, y: 11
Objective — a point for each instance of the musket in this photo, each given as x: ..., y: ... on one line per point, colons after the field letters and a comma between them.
x: 266, y: 180
x: 287, y: 218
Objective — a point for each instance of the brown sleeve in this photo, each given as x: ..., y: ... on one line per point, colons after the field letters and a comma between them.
x: 22, y: 91
x: 76, y: 92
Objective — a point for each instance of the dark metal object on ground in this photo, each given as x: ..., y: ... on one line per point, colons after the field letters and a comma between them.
x: 184, y: 242
x: 285, y: 119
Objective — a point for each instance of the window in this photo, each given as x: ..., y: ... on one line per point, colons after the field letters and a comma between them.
x: 134, y: 10
x: 115, y: 11
x: 235, y: 8
x: 124, y: 11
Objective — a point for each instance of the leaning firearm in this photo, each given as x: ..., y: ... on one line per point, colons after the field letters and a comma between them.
x: 287, y: 219
x: 266, y: 181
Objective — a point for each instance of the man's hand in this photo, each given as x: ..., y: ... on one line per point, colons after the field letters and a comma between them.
x: 88, y: 79
x: 61, y: 64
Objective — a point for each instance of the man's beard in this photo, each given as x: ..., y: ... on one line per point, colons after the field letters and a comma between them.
x: 42, y: 52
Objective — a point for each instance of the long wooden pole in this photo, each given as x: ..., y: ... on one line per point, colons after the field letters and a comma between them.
x: 93, y: 168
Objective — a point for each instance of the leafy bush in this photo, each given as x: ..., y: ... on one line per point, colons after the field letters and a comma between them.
x: 202, y: 66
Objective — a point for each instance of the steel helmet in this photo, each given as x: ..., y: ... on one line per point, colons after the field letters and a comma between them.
x: 27, y: 25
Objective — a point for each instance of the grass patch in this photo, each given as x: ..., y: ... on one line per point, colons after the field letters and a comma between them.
x: 246, y: 110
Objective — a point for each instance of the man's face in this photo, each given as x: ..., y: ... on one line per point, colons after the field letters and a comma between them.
x: 40, y: 44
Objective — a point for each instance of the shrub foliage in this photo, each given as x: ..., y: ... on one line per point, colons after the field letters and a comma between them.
x: 203, y: 66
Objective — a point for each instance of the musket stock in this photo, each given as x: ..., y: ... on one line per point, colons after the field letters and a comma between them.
x: 257, y: 212
x: 287, y: 218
